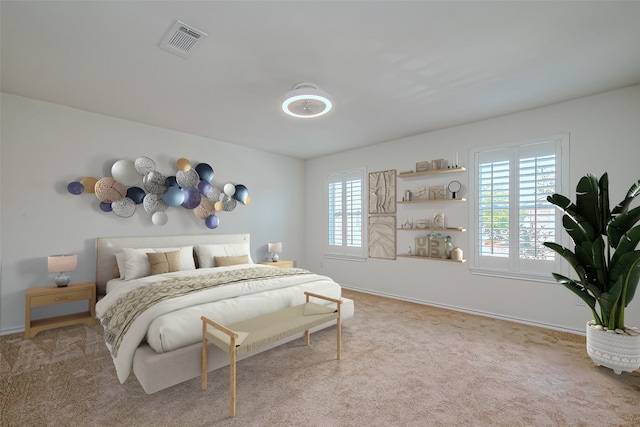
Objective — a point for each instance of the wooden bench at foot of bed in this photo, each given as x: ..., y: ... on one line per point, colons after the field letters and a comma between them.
x: 251, y: 334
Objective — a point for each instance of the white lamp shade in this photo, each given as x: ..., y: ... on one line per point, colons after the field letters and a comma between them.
x: 275, y: 247
x: 61, y: 263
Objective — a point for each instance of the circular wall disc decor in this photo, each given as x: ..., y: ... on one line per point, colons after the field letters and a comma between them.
x: 214, y: 194
x: 144, y: 165
x: 229, y: 204
x: 89, y: 184
x: 159, y: 218
x: 188, y: 178
x: 154, y: 182
x: 204, y: 209
x: 124, y: 208
x: 153, y: 203
x: 109, y: 190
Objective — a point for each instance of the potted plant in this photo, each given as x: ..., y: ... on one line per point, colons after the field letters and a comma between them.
x: 607, y: 266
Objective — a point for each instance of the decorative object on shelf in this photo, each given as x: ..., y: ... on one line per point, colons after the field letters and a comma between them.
x: 382, y: 237
x: 138, y: 182
x: 407, y: 196
x: 422, y: 246
x: 438, y: 164
x: 438, y: 220
x: 407, y: 224
x: 420, y: 193
x: 423, y: 223
x: 456, y: 254
x: 448, y: 247
x: 607, y: 267
x: 409, y: 251
x: 382, y: 192
x: 422, y: 166
x: 454, y: 187
x: 437, y: 192
x: 437, y: 247
x: 61, y: 264
x: 275, y: 248
x: 306, y: 101
x: 454, y: 161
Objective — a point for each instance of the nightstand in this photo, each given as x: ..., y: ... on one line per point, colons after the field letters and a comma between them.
x: 39, y: 297
x: 283, y: 263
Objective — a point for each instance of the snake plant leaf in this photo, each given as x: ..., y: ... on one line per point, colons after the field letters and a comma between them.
x: 623, y: 206
x: 621, y: 224
x: 627, y: 243
x: 587, y: 200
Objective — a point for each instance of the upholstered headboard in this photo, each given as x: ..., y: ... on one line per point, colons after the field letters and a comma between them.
x: 107, y: 247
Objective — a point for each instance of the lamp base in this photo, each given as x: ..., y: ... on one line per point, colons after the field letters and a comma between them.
x: 275, y: 257
x: 62, y: 280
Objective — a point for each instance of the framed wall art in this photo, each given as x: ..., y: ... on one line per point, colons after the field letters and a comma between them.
x: 382, y: 192
x: 382, y: 237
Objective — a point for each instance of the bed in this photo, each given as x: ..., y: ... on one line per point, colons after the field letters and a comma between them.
x: 152, y: 292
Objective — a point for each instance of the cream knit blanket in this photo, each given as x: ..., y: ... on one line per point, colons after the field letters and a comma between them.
x: 123, y: 312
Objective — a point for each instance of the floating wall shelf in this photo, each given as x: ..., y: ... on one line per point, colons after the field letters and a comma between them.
x: 430, y: 201
x: 432, y: 229
x: 432, y: 172
x: 429, y: 258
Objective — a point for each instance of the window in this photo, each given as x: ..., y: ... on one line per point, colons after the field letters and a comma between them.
x: 512, y: 218
x: 345, y: 206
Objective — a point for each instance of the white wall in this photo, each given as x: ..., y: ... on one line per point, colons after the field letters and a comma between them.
x: 604, y: 136
x: 46, y: 146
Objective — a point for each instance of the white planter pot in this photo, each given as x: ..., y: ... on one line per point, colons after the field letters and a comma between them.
x: 619, y: 352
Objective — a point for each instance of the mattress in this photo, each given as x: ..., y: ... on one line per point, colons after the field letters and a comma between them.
x: 175, y: 323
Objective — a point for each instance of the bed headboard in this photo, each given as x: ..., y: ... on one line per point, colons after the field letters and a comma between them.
x: 107, y: 247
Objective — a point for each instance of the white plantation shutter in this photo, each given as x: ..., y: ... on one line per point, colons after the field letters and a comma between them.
x: 493, y: 208
x: 537, y: 216
x: 345, y: 207
x: 512, y: 216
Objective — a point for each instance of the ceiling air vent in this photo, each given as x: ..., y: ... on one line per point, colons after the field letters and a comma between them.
x: 181, y: 39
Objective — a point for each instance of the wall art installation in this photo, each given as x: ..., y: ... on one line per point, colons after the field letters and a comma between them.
x: 138, y: 182
x: 382, y: 192
x: 382, y: 237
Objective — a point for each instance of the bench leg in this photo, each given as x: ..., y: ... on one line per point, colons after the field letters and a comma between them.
x: 204, y: 362
x: 232, y: 378
x: 339, y: 334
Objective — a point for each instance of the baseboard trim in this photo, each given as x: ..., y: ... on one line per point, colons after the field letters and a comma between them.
x: 12, y: 331
x: 468, y: 311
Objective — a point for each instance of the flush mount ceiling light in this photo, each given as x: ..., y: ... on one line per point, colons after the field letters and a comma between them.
x: 306, y: 101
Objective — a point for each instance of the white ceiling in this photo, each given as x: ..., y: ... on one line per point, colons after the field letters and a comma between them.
x: 393, y: 68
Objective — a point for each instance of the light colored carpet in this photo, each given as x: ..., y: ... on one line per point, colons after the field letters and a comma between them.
x: 403, y: 364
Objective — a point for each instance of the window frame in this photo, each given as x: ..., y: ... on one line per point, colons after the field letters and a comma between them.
x: 512, y: 266
x: 350, y: 253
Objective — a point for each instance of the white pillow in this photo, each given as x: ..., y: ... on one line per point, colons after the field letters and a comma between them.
x: 207, y: 252
x: 136, y: 263
x: 120, y: 264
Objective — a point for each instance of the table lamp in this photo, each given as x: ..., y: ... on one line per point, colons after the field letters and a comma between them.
x: 61, y: 264
x: 275, y: 248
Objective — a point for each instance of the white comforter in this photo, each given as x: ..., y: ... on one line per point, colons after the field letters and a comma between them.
x: 176, y: 322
